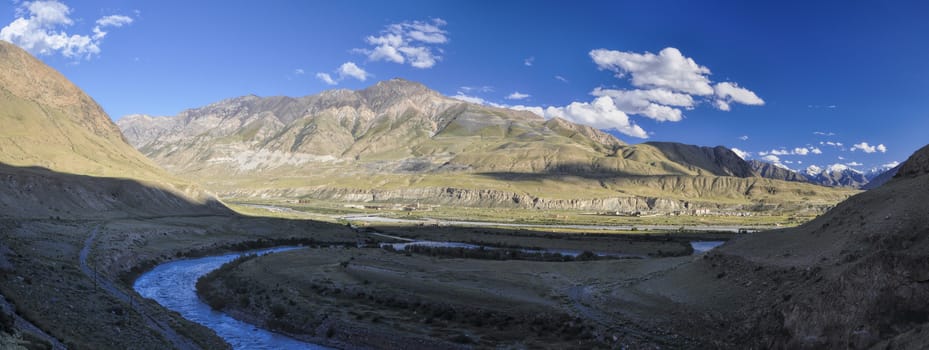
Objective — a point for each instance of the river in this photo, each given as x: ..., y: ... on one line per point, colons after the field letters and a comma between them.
x: 173, y: 285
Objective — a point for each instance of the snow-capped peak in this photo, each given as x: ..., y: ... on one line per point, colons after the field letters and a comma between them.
x: 813, y: 170
x: 838, y: 168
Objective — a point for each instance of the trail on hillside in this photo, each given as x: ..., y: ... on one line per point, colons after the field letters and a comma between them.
x: 160, y: 326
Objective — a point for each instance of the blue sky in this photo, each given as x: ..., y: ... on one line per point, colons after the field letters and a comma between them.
x: 855, y: 72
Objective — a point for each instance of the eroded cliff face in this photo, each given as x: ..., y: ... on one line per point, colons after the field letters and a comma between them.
x: 489, y: 198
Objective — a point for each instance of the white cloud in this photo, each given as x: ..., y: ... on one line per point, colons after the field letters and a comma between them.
x: 652, y: 103
x: 854, y: 164
x: 528, y: 61
x: 866, y: 148
x: 797, y: 151
x: 477, y: 100
x: 823, y: 133
x: 841, y: 158
x: 484, y: 88
x: 890, y: 165
x: 774, y: 160
x: 742, y: 154
x: 346, y: 70
x: 516, y: 95
x: 299, y: 71
x: 109, y: 21
x: 601, y: 113
x: 561, y: 79
x: 408, y: 42
x: 668, y: 69
x: 831, y: 143
x: 350, y: 69
x: 743, y: 137
x: 666, y: 83
x: 39, y: 25
x: 728, y: 93
x: 326, y: 78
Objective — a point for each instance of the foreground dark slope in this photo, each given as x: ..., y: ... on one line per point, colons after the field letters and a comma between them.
x: 855, y: 277
x: 76, y: 198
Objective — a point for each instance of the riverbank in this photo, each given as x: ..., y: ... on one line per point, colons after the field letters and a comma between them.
x: 372, y: 298
x: 41, y: 275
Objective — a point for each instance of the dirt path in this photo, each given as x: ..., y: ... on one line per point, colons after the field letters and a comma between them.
x: 160, y: 326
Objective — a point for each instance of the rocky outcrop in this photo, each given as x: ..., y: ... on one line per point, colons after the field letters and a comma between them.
x: 771, y: 171
x: 718, y: 160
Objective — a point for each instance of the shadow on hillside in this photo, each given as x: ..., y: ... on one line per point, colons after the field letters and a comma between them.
x: 565, y: 171
x: 37, y: 192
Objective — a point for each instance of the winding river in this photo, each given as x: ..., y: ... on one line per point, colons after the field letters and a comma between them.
x: 173, y: 285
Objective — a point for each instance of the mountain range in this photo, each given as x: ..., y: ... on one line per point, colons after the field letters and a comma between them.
x: 399, y: 141
x: 836, y: 175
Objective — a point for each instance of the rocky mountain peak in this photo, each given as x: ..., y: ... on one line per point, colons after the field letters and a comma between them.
x: 391, y: 91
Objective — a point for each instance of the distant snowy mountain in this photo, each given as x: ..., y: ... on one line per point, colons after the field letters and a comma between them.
x: 836, y: 175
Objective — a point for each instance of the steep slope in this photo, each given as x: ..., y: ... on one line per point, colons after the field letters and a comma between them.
x: 719, y: 161
x: 864, y: 265
x: 399, y: 141
x: 882, y: 178
x: 51, y: 124
x: 854, y: 277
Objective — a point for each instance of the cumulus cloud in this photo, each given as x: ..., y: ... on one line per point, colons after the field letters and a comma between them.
x: 727, y: 93
x: 516, y: 95
x: 742, y: 154
x: 601, y: 113
x: 411, y: 42
x: 824, y: 133
x: 743, y: 137
x: 350, y: 69
x: 668, y: 69
x: 528, y: 61
x: 561, y: 79
x: 346, y: 70
x: 831, y: 143
x: 866, y: 148
x: 39, y: 29
x: 816, y: 150
x: 299, y: 71
x: 854, y: 164
x: 654, y: 103
x: 665, y: 84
